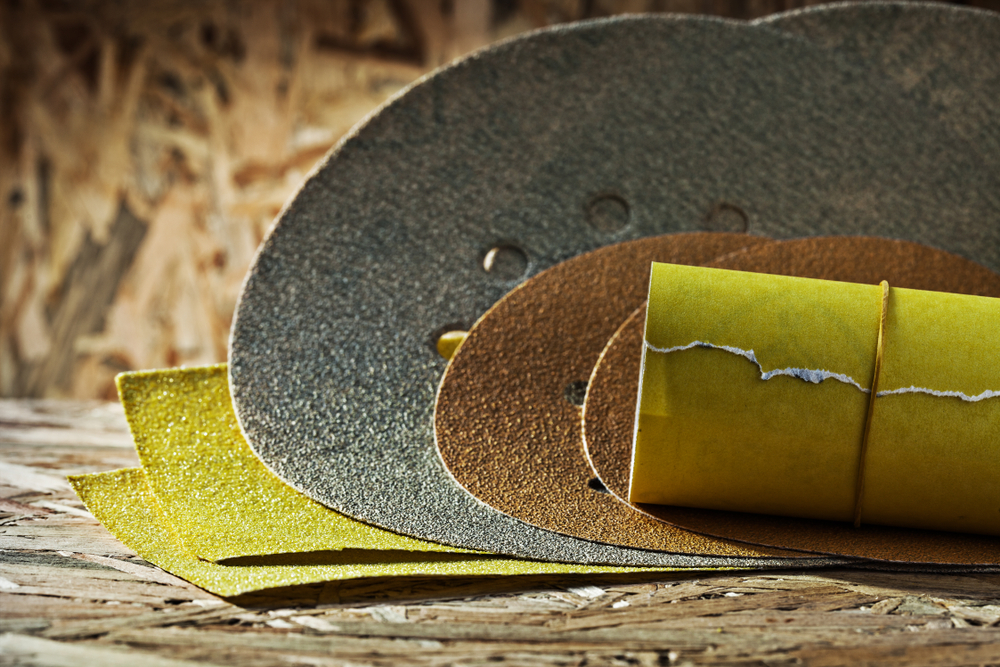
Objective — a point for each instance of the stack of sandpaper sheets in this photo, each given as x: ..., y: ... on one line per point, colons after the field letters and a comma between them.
x: 521, y: 196
x: 205, y: 508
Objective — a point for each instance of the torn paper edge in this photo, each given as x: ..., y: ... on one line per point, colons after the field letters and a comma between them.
x: 989, y: 393
x: 815, y: 376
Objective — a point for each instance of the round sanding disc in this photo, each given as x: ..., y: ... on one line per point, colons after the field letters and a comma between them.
x: 507, y: 420
x: 609, y: 412
x: 521, y: 156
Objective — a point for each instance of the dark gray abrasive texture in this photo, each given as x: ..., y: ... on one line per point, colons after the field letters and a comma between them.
x: 542, y: 148
x: 946, y: 58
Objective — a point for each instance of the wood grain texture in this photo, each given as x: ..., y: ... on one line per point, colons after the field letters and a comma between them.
x: 72, y: 594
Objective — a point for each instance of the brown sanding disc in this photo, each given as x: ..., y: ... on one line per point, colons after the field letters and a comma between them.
x: 506, y: 421
x: 609, y: 412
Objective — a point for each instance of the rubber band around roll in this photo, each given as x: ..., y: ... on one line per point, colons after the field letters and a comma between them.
x: 859, y: 494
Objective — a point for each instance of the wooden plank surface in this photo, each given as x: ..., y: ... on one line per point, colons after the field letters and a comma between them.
x: 72, y: 595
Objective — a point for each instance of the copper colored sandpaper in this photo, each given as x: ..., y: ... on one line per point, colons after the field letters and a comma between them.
x: 609, y: 411
x: 505, y: 424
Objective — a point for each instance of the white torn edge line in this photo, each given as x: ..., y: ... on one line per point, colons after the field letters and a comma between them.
x: 807, y: 374
x: 816, y: 376
x: 989, y: 393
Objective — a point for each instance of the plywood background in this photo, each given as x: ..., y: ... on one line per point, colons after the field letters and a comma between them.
x: 146, y: 146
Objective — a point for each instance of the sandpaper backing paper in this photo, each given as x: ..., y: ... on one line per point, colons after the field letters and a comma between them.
x: 758, y: 390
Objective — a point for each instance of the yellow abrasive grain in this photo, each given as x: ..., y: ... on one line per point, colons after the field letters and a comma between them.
x: 221, y: 499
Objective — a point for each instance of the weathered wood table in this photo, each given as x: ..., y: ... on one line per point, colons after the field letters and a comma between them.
x: 73, y: 595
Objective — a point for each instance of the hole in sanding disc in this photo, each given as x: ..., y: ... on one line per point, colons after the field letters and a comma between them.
x: 607, y: 212
x: 507, y: 262
x: 596, y: 484
x: 725, y: 217
x: 576, y: 392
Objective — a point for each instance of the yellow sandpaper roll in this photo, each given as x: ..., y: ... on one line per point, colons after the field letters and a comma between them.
x: 755, y: 389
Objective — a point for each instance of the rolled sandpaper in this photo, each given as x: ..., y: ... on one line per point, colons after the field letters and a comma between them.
x: 755, y: 392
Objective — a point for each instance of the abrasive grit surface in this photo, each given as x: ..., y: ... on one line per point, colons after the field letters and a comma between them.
x: 506, y: 423
x: 609, y: 410
x: 541, y: 148
x: 945, y: 57
x: 124, y: 502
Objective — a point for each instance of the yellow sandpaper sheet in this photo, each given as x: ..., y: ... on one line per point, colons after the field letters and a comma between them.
x: 755, y: 389
x: 123, y: 501
x: 222, y: 501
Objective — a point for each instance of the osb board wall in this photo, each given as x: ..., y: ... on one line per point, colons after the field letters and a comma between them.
x: 145, y: 148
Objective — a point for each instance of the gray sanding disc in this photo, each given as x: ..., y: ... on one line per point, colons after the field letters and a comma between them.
x: 528, y: 153
x: 945, y: 58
